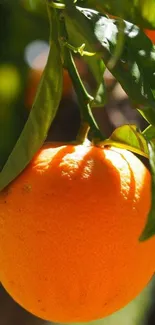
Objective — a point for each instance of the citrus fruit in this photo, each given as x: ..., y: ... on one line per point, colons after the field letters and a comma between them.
x: 34, y: 77
x: 150, y: 34
x: 69, y: 229
x: 36, y: 72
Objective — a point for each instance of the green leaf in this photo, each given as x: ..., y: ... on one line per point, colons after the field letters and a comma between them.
x: 79, y: 34
x: 135, y: 69
x: 97, y: 68
x: 42, y: 113
x: 149, y: 229
x: 149, y: 133
x: 148, y: 114
x: 139, y: 12
x: 79, y: 28
x: 128, y: 137
x: 136, y: 61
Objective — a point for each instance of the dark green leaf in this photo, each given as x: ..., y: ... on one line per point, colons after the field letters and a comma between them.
x: 135, y: 69
x: 128, y: 137
x: 42, y: 113
x: 136, y: 62
x: 149, y: 229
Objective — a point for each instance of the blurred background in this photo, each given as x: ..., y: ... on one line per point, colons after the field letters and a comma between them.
x: 24, y: 32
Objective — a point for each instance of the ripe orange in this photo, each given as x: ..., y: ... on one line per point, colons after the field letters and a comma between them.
x: 34, y: 77
x: 69, y: 228
x: 33, y: 82
x: 35, y: 74
x: 150, y: 34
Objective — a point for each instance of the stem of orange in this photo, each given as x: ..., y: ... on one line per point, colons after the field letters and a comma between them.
x: 84, y: 98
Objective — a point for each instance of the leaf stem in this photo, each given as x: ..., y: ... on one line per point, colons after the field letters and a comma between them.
x: 83, y: 96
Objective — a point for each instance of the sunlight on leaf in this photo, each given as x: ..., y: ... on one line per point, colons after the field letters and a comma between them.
x: 128, y: 137
x: 136, y: 62
x: 135, y: 68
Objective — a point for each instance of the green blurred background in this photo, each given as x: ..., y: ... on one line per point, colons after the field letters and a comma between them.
x: 24, y: 32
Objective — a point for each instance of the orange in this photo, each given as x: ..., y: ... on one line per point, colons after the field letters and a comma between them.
x: 33, y: 82
x: 150, y: 34
x: 69, y: 229
x: 35, y: 74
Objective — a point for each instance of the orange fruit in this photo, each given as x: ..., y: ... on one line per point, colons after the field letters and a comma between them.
x: 69, y: 229
x: 34, y: 77
x: 35, y: 74
x: 150, y: 34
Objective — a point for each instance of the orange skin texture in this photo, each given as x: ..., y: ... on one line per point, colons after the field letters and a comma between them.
x: 69, y: 229
x: 150, y: 34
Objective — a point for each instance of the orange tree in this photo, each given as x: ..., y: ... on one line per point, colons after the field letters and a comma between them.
x: 77, y: 220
